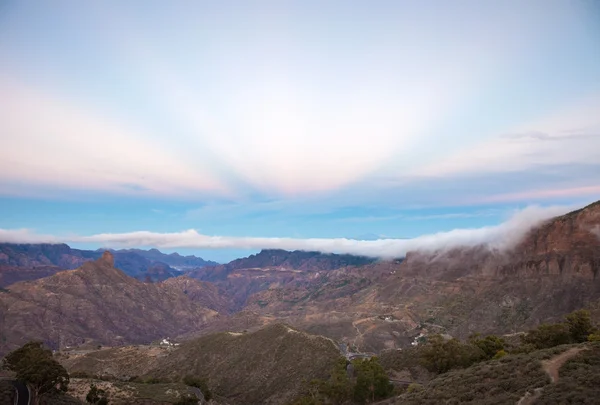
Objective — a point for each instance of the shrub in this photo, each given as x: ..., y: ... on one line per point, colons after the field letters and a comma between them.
x: 499, y: 354
x: 580, y: 325
x: 414, y: 387
x: 151, y: 380
x: 439, y: 355
x: 96, y: 396
x: 594, y: 337
x: 548, y: 335
x: 490, y: 345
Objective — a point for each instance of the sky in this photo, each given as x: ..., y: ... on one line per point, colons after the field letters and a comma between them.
x: 277, y: 123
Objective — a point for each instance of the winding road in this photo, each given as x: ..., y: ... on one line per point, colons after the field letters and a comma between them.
x: 198, y: 393
x: 23, y: 395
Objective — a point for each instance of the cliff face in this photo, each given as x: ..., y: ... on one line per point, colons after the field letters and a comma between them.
x: 552, y: 271
x: 567, y: 246
x: 95, y: 303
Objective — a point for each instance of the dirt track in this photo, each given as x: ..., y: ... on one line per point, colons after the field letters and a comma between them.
x: 554, y: 364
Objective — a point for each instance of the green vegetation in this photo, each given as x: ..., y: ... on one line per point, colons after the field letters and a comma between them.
x: 270, y: 365
x: 187, y: 400
x: 151, y: 393
x: 500, y: 381
x: 367, y: 384
x: 96, y: 396
x: 490, y: 345
x: 439, y: 355
x: 372, y: 383
x: 594, y: 337
x: 34, y: 364
x: 486, y: 370
x: 576, y: 329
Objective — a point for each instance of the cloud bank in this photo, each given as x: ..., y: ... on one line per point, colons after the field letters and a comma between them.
x: 501, y: 236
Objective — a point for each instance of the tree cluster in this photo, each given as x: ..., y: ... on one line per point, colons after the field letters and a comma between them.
x: 576, y: 328
x: 96, y: 396
x: 34, y: 365
x: 362, y: 381
x: 440, y: 355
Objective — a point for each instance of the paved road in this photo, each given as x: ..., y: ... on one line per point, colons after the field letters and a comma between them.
x: 23, y: 396
x: 198, y: 393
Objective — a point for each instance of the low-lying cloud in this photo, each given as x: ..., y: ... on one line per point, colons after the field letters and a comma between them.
x: 502, y: 236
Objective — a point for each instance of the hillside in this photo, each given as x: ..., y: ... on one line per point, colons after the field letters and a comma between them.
x: 13, y: 274
x: 519, y: 378
x: 204, y: 293
x: 551, y: 272
x: 273, y: 268
x: 95, y: 303
x: 269, y: 366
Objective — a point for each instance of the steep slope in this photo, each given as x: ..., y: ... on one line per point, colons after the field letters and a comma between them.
x: 272, y: 269
x: 516, y: 379
x: 204, y: 293
x: 551, y: 272
x: 98, y: 303
x: 13, y: 274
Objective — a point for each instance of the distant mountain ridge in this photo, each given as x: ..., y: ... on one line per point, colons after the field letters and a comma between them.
x: 174, y: 260
x: 283, y: 260
x: 273, y: 267
x: 20, y: 262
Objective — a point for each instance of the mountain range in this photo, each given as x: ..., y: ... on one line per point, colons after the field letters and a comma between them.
x: 370, y: 304
x: 359, y: 304
x: 19, y: 262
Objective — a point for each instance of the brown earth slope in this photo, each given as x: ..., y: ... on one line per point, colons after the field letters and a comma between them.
x: 98, y: 303
x: 552, y: 271
x: 272, y: 268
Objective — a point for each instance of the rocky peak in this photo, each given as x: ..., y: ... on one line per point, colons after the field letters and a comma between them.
x: 107, y: 258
